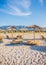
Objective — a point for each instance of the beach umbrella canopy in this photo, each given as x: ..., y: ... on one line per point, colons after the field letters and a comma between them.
x: 35, y: 27
x: 11, y: 28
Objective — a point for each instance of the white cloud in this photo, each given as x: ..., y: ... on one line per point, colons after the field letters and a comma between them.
x: 16, y: 13
x: 13, y: 9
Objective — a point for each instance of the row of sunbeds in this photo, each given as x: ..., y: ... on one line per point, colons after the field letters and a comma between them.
x: 19, y: 39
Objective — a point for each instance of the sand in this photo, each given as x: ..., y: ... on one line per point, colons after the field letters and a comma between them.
x: 21, y: 54
x: 27, y: 35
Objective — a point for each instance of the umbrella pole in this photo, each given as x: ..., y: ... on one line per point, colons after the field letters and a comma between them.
x: 34, y: 34
x: 12, y: 34
x: 23, y: 35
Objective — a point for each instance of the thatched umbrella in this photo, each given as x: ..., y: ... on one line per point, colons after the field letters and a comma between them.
x: 11, y: 28
x: 34, y: 27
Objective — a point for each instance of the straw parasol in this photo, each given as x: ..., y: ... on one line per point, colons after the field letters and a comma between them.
x: 34, y: 27
x: 11, y: 28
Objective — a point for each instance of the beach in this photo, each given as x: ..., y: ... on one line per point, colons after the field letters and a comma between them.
x: 27, y: 35
x: 20, y: 54
x: 23, y: 54
x: 22, y: 32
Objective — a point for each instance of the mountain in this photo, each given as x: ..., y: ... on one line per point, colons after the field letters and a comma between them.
x: 19, y: 27
x: 6, y: 27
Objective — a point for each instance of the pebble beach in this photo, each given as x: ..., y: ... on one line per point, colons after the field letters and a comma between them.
x: 20, y: 54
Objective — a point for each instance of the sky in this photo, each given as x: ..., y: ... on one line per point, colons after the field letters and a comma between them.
x: 23, y: 12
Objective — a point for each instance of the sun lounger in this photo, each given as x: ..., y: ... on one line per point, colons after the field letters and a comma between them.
x: 30, y: 42
x: 36, y: 42
x: 43, y: 37
x: 18, y: 39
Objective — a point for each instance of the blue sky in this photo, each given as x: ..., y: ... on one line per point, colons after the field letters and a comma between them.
x: 23, y: 12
